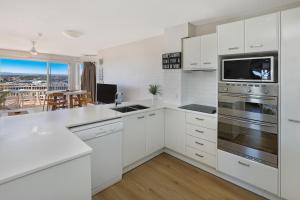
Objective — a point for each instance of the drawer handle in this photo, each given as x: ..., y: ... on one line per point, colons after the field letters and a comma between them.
x: 199, y: 131
x: 199, y: 143
x: 207, y: 63
x: 199, y: 155
x: 194, y: 63
x: 233, y: 48
x: 200, y: 119
x: 256, y: 46
x: 152, y: 114
x: 244, y: 164
x: 142, y: 117
x: 294, y: 121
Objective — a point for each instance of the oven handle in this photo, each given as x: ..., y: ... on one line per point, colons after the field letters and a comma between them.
x: 250, y: 98
x: 249, y: 122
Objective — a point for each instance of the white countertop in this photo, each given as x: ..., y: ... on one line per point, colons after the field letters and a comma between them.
x: 32, y: 142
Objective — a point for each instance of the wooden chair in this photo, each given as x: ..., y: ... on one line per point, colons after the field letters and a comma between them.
x: 82, y: 100
x: 57, y: 101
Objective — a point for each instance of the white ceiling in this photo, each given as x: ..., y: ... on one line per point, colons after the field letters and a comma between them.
x: 108, y: 23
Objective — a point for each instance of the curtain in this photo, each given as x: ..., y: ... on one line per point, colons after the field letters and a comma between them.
x: 88, y: 79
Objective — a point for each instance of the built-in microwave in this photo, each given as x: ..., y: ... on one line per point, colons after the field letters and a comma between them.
x: 254, y: 69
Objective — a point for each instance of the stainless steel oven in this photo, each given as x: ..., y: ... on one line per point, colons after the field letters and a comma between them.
x: 248, y: 121
x: 254, y: 69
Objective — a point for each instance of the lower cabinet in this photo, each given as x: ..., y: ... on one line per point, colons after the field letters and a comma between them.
x: 251, y: 172
x: 175, y: 130
x: 134, y: 138
x: 143, y: 135
x: 155, y: 131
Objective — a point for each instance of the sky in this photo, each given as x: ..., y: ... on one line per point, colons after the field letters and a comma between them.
x: 31, y: 67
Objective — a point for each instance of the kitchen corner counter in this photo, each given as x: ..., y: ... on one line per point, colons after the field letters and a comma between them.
x: 33, y: 142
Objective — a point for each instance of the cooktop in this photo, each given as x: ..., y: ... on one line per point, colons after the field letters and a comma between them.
x: 200, y: 108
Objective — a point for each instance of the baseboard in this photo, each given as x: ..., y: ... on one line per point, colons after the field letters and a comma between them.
x: 106, y: 185
x: 233, y: 180
x: 142, y: 161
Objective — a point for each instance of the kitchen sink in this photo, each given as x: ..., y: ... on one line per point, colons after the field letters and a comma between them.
x: 132, y: 108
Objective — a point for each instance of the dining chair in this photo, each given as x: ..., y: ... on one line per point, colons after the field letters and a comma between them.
x: 56, y: 101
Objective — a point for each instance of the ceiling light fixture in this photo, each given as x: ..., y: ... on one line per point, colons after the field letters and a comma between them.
x: 72, y: 33
x: 33, y: 50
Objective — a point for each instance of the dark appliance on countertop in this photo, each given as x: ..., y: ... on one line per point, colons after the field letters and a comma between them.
x: 248, y: 120
x: 106, y: 93
x: 200, y: 108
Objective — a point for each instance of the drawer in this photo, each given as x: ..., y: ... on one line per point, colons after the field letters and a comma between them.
x: 201, y: 120
x: 202, y: 145
x: 201, y: 156
x: 254, y: 173
x: 201, y: 132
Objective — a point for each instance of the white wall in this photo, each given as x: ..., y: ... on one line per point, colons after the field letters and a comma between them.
x: 134, y: 66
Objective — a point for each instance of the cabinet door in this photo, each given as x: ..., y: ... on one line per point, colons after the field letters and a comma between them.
x: 209, y: 46
x: 290, y: 98
x: 134, y: 140
x: 261, y: 33
x: 175, y: 130
x: 191, y: 53
x: 155, y: 131
x: 231, y: 38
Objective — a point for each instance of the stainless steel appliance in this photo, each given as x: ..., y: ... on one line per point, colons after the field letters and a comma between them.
x: 254, y: 69
x: 248, y: 120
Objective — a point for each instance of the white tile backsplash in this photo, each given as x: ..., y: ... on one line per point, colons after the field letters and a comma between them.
x: 199, y: 87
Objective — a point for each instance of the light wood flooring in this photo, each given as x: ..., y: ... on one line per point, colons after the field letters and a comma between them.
x: 168, y: 178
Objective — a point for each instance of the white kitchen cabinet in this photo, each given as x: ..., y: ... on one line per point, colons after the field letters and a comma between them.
x: 155, y: 131
x: 191, y: 53
x: 231, y: 38
x: 175, y: 130
x: 70, y: 180
x: 134, y: 138
x: 290, y: 110
x: 209, y: 52
x: 252, y: 172
x: 262, y: 33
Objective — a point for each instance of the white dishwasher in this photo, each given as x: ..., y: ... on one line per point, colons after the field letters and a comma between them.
x: 105, y: 138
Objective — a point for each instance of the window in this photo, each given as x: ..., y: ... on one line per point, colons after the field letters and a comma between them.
x: 58, y: 76
x: 23, y: 83
x: 22, y: 74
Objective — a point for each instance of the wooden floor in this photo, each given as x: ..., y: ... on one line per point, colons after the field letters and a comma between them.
x: 166, y: 177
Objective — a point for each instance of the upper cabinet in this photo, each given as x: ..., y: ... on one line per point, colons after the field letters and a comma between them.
x: 208, y: 51
x: 231, y: 38
x: 259, y: 34
x: 200, y: 53
x: 262, y: 33
x: 191, y: 53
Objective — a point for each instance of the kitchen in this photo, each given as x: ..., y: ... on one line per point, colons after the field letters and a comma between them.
x: 241, y: 131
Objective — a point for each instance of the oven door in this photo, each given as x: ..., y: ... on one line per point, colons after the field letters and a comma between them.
x: 260, y: 108
x: 253, y: 140
x: 256, y: 69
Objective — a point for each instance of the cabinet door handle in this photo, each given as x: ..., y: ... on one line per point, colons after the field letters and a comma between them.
x: 244, y: 164
x: 256, y: 46
x: 200, y: 119
x: 207, y: 63
x: 233, y: 48
x: 199, y: 143
x: 142, y: 117
x: 294, y: 121
x: 152, y: 114
x: 199, y: 155
x: 194, y: 63
x: 199, y: 131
